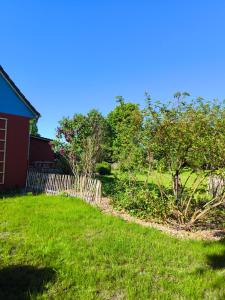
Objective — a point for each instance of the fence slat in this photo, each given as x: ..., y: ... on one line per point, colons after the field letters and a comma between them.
x: 84, y: 187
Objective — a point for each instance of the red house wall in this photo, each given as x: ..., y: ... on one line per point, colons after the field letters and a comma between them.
x: 40, y: 150
x: 17, y: 145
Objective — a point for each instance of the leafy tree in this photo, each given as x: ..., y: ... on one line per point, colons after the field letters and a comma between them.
x: 126, y: 125
x: 186, y: 133
x: 81, y: 141
x: 181, y: 133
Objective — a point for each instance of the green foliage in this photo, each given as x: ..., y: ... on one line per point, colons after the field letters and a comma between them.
x: 126, y: 124
x: 152, y: 198
x: 82, y: 141
x: 103, y: 168
x: 97, y: 256
x: 34, y: 127
x: 185, y: 133
x: 164, y: 137
x: 141, y: 199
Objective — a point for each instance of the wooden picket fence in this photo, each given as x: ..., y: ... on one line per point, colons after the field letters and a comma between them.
x: 83, y: 187
x: 216, y: 185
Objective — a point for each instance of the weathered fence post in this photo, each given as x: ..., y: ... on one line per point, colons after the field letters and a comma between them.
x: 84, y: 187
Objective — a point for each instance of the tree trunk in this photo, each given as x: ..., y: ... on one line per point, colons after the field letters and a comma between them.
x: 176, y: 185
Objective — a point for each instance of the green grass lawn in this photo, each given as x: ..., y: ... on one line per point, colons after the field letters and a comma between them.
x: 164, y: 178
x: 61, y: 248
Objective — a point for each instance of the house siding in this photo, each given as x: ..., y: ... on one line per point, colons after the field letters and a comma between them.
x: 17, y: 147
x: 40, y: 150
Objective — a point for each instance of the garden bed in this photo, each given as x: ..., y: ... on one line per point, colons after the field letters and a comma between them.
x: 198, y: 234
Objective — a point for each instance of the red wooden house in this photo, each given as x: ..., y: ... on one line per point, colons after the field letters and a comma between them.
x: 15, y: 115
x: 41, y: 155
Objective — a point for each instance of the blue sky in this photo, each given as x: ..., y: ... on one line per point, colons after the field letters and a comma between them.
x: 73, y: 55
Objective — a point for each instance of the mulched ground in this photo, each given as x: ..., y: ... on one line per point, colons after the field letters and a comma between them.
x: 213, y: 235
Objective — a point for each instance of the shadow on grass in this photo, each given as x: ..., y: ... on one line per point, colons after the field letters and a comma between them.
x: 11, y: 193
x: 217, y: 261
x: 20, y: 282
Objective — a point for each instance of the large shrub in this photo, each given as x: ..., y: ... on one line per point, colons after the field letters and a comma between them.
x: 186, y: 132
x: 138, y: 198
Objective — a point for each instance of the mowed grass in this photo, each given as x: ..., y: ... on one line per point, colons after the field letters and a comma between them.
x: 187, y: 178
x: 165, y: 178
x: 62, y: 248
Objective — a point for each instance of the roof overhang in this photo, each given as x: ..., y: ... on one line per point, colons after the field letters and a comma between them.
x: 19, y: 93
x: 41, y: 138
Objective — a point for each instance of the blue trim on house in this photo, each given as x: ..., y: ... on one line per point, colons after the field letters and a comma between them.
x: 10, y: 102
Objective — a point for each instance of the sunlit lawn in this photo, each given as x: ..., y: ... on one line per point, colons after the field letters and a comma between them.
x: 165, y: 178
x: 61, y: 248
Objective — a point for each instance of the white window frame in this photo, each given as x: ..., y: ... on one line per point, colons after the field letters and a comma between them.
x: 4, y: 149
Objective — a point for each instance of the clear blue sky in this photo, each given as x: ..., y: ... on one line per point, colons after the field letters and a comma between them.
x: 73, y: 55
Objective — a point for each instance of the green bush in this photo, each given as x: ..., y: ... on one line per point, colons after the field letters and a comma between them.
x: 144, y: 203
x: 139, y: 199
x: 103, y: 168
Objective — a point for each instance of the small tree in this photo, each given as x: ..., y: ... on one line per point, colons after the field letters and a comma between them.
x: 185, y: 133
x: 126, y: 125
x: 81, y: 141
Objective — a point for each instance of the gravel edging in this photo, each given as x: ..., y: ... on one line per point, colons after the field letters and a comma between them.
x: 209, y: 235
